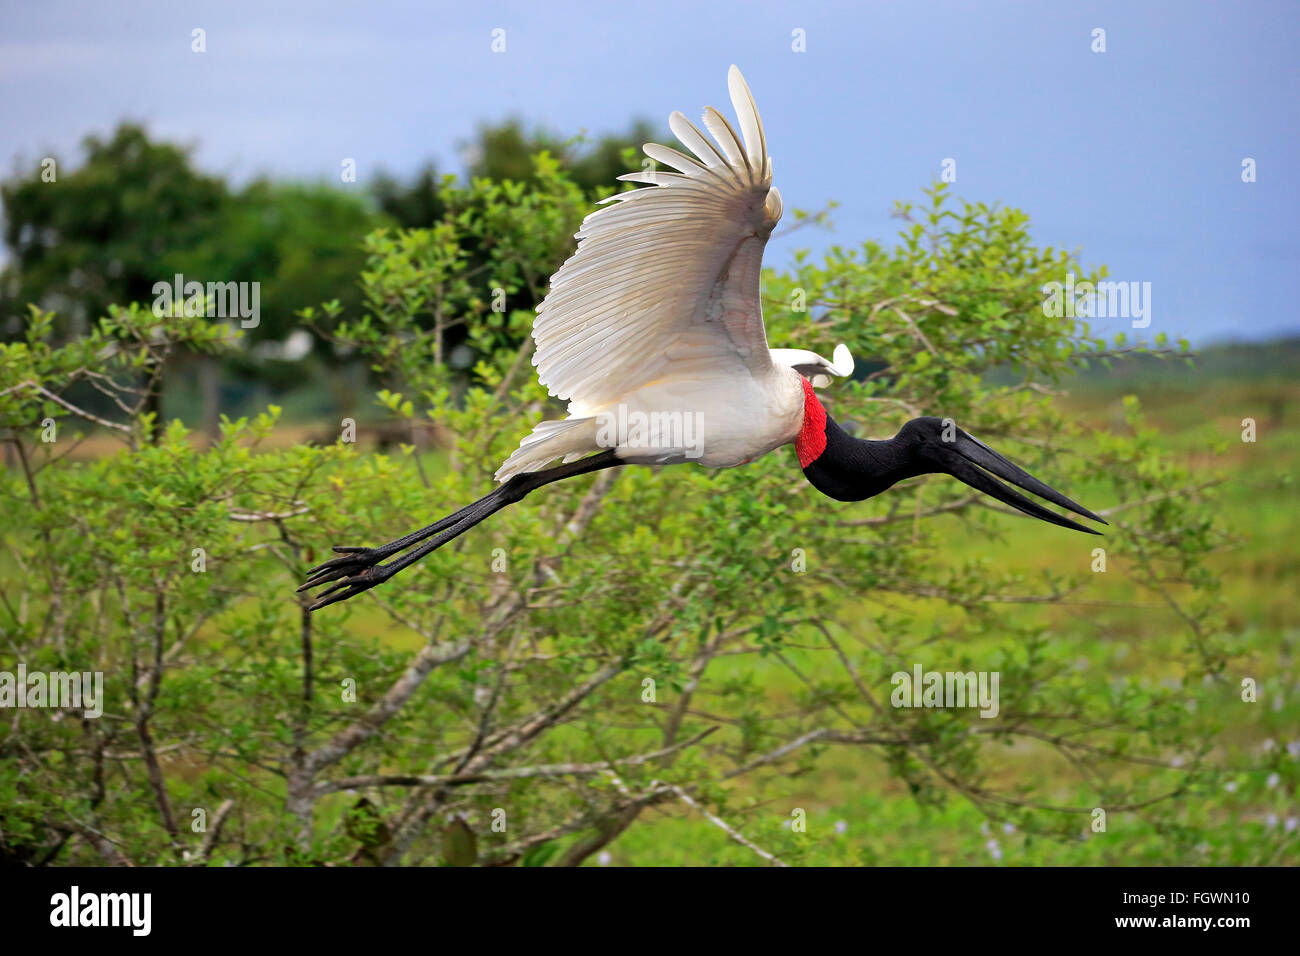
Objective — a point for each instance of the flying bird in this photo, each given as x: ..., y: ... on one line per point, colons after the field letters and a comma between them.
x: 653, y: 331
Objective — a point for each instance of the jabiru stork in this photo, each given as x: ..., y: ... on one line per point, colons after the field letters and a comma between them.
x: 656, y: 317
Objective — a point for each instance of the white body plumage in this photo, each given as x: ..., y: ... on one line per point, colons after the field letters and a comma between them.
x: 653, y: 329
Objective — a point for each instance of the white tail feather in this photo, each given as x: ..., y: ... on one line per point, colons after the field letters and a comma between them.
x: 568, y: 438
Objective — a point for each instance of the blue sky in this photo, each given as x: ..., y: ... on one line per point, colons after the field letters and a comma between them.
x: 1132, y: 155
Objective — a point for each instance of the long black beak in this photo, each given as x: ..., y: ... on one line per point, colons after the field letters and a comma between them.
x: 964, y: 457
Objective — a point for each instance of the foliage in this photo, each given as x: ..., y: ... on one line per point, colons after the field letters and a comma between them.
x: 137, y: 212
x: 628, y: 641
x: 506, y: 151
x: 106, y: 232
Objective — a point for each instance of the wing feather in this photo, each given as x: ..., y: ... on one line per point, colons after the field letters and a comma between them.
x: 666, y: 276
x: 696, y: 141
x: 721, y: 131
x: 750, y: 125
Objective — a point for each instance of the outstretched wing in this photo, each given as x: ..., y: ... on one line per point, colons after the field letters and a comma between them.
x: 665, y: 280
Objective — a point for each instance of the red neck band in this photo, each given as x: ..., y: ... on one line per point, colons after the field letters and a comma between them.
x: 811, y: 440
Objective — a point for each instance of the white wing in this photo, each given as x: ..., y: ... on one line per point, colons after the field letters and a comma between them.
x: 665, y: 280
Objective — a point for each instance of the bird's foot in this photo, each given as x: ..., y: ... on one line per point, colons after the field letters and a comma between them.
x: 350, y: 561
x: 349, y: 579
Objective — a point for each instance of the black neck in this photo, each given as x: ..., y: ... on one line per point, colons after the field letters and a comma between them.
x: 851, y: 469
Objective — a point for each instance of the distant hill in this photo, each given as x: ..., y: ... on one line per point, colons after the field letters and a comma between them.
x: 1279, y: 359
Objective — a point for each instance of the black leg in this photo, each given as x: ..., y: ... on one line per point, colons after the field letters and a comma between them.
x: 352, y: 559
x: 358, y: 569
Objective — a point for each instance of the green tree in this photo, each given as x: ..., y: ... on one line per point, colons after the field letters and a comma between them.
x: 412, y: 206
x: 136, y: 213
x: 623, y: 641
x: 505, y: 151
x: 104, y: 232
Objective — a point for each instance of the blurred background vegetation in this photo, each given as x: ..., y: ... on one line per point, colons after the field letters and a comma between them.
x: 136, y: 211
x: 376, y: 305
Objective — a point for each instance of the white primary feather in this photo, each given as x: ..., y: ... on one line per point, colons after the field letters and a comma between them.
x: 665, y: 279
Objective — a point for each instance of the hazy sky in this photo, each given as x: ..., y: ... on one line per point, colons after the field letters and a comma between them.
x: 1132, y: 155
